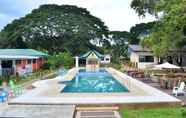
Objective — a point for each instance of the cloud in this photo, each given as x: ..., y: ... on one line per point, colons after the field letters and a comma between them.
x: 117, y: 14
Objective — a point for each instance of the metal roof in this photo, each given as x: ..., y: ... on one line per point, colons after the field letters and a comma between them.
x: 17, y: 57
x: 138, y: 48
x: 84, y: 56
x: 21, y: 53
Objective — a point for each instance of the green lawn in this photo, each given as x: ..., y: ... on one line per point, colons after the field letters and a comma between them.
x: 154, y: 113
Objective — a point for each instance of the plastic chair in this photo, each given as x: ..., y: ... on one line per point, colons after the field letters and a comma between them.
x: 179, y: 90
x: 3, y: 96
x: 17, y: 90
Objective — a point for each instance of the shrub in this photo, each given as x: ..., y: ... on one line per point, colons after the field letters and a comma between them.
x: 1, y: 81
x: 68, y: 60
x: 46, y: 66
x: 61, y: 59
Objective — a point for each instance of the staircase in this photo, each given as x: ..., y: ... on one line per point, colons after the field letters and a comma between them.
x: 97, y: 112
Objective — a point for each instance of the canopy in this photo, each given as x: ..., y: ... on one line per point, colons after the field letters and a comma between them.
x: 166, y: 66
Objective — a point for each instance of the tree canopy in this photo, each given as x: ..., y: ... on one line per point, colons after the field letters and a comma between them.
x: 169, y: 32
x: 145, y: 6
x: 66, y: 28
x: 120, y: 45
x: 139, y: 30
x: 54, y: 28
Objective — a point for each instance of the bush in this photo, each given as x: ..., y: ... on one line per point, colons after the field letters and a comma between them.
x: 1, y: 81
x: 68, y: 60
x: 61, y: 59
x: 116, y: 66
x: 46, y: 66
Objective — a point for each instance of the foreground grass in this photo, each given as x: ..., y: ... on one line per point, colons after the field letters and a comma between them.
x: 154, y: 113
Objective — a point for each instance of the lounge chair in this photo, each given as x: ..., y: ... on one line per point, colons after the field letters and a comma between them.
x: 179, y: 90
x: 3, y: 96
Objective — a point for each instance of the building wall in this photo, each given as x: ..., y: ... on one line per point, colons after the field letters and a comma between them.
x: 29, y: 67
x: 134, y: 58
x: 105, y: 61
x: 37, y: 64
x: 92, y: 67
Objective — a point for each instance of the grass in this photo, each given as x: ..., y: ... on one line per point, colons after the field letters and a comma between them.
x: 154, y: 113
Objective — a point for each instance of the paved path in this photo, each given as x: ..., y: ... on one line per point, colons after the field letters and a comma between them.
x: 39, y: 111
x: 168, y: 91
x: 3, y: 106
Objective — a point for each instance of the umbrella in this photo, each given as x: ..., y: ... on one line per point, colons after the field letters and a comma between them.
x: 166, y: 66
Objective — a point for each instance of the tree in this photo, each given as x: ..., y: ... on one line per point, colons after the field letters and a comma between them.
x: 120, y: 46
x: 64, y: 59
x: 145, y: 6
x: 54, y: 28
x: 139, y: 30
x: 169, y: 33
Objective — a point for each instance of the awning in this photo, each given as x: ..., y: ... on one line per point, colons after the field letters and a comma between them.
x: 166, y: 66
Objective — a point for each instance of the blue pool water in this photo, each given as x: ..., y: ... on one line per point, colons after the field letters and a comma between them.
x: 94, y: 82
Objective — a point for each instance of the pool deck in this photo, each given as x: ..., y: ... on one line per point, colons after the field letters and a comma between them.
x: 168, y: 91
x: 47, y: 92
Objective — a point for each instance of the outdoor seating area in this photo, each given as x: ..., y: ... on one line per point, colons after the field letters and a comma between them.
x: 167, y: 77
x: 10, y: 90
x: 136, y: 74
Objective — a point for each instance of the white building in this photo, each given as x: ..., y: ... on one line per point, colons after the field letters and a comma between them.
x: 141, y: 57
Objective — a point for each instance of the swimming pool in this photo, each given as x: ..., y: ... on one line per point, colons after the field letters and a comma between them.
x: 94, y: 82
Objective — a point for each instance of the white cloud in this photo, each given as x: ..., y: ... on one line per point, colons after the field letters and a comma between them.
x: 116, y: 14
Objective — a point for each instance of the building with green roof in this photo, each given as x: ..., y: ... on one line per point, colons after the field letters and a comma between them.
x: 93, y: 60
x: 20, y: 61
x: 96, y: 53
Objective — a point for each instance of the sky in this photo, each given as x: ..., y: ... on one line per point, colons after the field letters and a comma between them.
x: 116, y: 14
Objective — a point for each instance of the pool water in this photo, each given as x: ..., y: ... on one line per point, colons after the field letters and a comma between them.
x: 94, y: 82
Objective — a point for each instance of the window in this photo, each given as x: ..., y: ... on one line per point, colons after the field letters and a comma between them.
x: 146, y: 59
x: 18, y: 62
x: 92, y: 62
x: 29, y: 61
x: 107, y: 59
x: 34, y: 61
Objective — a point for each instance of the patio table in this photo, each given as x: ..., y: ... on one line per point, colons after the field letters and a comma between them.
x: 169, y: 82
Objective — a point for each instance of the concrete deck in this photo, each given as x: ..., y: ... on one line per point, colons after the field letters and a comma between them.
x: 168, y: 91
x: 38, y: 111
x: 49, y: 92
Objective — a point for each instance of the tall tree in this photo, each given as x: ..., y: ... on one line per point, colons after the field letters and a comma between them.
x: 139, y: 30
x: 120, y: 41
x: 169, y: 32
x: 145, y: 6
x: 54, y: 28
